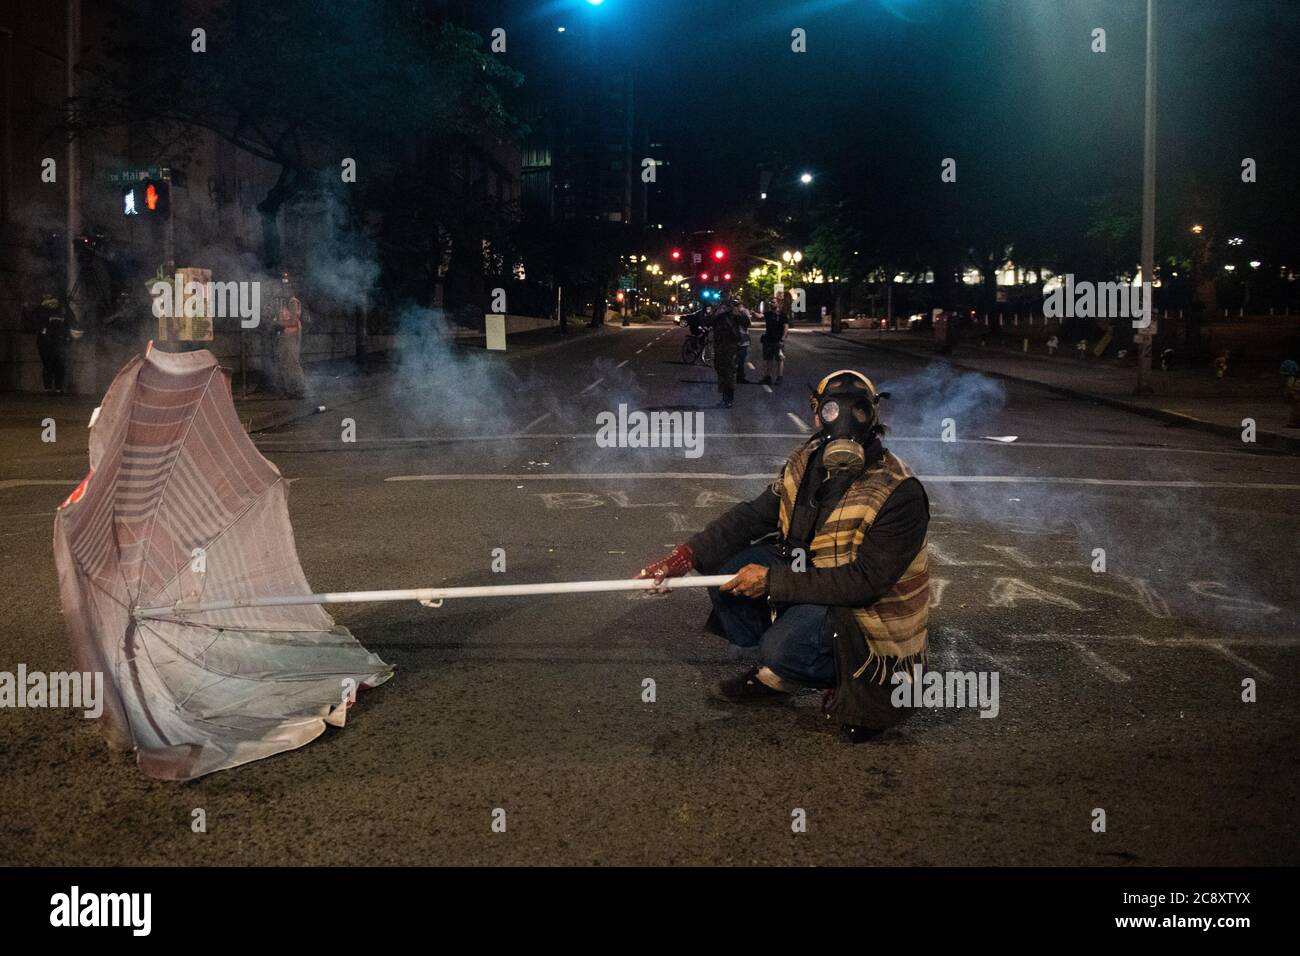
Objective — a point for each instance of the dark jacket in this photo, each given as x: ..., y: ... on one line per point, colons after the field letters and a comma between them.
x: 891, y: 543
x: 730, y: 326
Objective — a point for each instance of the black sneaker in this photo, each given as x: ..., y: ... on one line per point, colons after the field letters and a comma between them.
x: 852, y: 733
x: 767, y: 380
x: 745, y: 688
x: 859, y: 735
x: 778, y: 379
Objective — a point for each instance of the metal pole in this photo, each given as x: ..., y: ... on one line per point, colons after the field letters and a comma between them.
x: 434, y: 594
x: 72, y: 224
x: 1146, y: 333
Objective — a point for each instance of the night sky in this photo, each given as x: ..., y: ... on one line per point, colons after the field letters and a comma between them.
x: 1010, y: 88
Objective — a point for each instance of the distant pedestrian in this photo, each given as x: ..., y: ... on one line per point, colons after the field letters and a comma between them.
x: 775, y: 325
x: 742, y: 354
x: 286, y: 328
x: 52, y: 344
x: 730, y: 325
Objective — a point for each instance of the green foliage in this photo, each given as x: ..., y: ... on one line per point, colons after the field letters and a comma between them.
x: 302, y: 84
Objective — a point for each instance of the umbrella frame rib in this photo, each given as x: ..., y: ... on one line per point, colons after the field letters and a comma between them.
x: 432, y: 594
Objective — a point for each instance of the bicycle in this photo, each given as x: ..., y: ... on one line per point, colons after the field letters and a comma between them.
x: 698, y: 348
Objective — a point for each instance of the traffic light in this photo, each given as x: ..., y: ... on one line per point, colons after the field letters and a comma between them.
x: 148, y: 197
x: 719, y: 254
x: 677, y: 254
x: 726, y: 276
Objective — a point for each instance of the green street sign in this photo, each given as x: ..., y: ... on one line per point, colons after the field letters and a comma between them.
x: 135, y: 174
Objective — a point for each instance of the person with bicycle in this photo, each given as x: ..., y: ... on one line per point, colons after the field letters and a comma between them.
x: 697, y: 347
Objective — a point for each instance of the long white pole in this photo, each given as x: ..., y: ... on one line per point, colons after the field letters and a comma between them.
x: 1144, y: 341
x: 72, y: 212
x: 433, y: 594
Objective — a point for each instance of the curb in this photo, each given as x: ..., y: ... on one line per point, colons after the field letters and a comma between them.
x: 1274, y: 441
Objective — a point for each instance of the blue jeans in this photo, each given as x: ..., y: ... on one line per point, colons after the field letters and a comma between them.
x: 796, y: 645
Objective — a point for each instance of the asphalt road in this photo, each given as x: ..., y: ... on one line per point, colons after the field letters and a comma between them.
x: 1119, y: 690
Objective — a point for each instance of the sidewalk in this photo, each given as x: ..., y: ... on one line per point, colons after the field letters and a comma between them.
x: 1189, y: 397
x: 329, y: 385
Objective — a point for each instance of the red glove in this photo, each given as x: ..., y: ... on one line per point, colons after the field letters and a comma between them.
x: 680, y: 561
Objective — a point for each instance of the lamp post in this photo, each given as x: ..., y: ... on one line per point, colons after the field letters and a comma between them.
x: 1146, y: 332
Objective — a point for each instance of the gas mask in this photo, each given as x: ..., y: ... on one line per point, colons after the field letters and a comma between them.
x: 846, y: 405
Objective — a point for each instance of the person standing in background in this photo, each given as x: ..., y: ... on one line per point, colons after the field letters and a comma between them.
x: 52, y: 343
x: 775, y: 325
x: 286, y: 328
x: 730, y: 326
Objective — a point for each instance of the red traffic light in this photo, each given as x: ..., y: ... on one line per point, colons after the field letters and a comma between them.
x: 726, y: 276
x: 704, y: 276
x: 719, y: 254
x: 677, y: 253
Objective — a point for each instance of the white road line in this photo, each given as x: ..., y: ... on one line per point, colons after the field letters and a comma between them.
x: 1221, y: 646
x: 931, y: 479
x: 591, y: 386
x: 593, y: 476
x: 1100, y: 664
x: 799, y: 423
x: 1107, y: 482
x: 958, y: 636
x: 622, y: 363
x: 1160, y: 449
x: 768, y: 389
x: 271, y: 440
x: 1091, y: 657
x: 538, y: 420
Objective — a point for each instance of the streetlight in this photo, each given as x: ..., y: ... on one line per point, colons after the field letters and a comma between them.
x: 1146, y: 332
x: 806, y: 178
x: 1197, y: 229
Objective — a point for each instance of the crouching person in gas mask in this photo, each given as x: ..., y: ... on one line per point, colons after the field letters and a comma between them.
x: 836, y: 595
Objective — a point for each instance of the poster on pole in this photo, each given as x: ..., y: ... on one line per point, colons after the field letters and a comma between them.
x: 187, y: 316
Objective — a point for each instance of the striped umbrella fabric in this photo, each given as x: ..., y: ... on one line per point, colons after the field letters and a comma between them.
x: 179, y: 506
